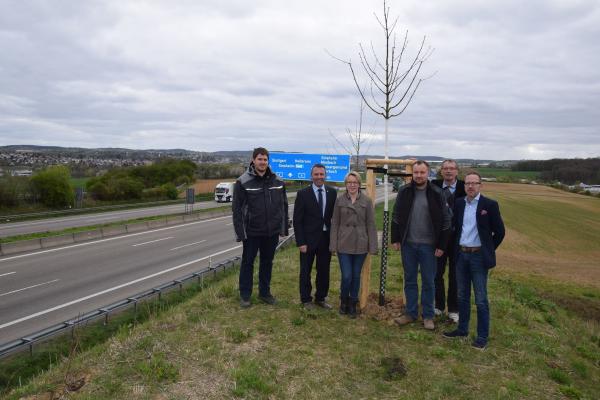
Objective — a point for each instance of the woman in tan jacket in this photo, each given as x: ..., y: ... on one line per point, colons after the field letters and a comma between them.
x: 353, y: 235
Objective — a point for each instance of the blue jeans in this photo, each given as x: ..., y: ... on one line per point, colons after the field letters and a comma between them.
x: 469, y: 268
x: 251, y: 246
x: 350, y: 266
x: 413, y: 256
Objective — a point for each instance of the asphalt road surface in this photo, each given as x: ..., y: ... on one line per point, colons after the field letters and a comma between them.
x: 46, y: 287
x: 59, y: 223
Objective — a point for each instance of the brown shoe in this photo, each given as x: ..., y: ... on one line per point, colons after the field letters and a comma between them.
x: 428, y: 324
x: 404, y: 320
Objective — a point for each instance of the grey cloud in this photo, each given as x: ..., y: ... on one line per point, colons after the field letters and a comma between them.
x: 513, y: 79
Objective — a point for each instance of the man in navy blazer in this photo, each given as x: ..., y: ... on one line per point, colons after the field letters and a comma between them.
x: 453, y: 189
x: 313, y: 210
x: 479, y: 232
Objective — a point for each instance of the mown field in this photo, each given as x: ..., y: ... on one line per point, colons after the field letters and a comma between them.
x: 505, y: 173
x: 544, y: 344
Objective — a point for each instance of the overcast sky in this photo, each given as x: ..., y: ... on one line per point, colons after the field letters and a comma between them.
x: 513, y: 79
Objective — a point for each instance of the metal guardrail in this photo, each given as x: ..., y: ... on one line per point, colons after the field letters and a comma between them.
x: 90, y: 209
x: 104, y: 312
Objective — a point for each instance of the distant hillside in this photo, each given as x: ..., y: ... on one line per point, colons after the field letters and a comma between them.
x: 197, y: 156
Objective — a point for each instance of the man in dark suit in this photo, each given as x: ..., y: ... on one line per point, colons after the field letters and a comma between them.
x: 479, y: 232
x: 453, y: 189
x: 313, y: 209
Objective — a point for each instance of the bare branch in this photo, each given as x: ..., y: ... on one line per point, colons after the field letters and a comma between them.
x: 346, y: 149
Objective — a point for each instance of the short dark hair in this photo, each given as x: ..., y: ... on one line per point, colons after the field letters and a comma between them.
x: 260, y: 150
x: 473, y: 172
x: 421, y: 162
x: 449, y: 160
x: 317, y: 165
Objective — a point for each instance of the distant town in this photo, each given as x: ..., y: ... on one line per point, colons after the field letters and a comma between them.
x: 24, y: 160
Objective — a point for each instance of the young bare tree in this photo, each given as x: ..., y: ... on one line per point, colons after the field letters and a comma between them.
x: 394, y: 77
x: 357, y: 139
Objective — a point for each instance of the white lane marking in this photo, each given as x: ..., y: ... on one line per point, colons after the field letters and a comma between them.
x: 112, y: 238
x: 8, y: 273
x: 186, y: 245
x: 28, y: 287
x: 68, y: 219
x: 112, y: 289
x: 231, y: 223
x: 152, y: 241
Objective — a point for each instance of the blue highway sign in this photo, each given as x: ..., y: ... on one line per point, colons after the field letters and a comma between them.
x: 296, y: 166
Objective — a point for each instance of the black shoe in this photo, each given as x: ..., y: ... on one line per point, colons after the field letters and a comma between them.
x: 479, y: 344
x: 323, y: 304
x: 245, y: 303
x: 352, y: 308
x: 343, y: 305
x: 269, y: 299
x: 454, y: 334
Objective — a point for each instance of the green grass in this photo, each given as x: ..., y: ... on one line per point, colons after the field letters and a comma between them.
x: 91, y: 338
x: 211, y: 348
x: 507, y: 174
x: 79, y: 182
x: 540, y: 346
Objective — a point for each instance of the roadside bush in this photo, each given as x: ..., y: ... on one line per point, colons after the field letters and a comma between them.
x: 14, y: 190
x: 52, y: 186
x: 157, y: 181
x: 117, y: 188
x: 166, y: 191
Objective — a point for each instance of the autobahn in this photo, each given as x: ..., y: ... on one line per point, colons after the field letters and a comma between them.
x: 46, y: 287
x: 59, y: 223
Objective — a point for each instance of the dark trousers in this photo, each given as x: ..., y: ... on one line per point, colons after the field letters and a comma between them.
x: 440, y: 288
x: 470, y: 271
x: 323, y: 256
x: 251, y: 246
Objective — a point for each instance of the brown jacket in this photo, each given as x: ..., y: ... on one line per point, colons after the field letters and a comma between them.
x: 353, y: 226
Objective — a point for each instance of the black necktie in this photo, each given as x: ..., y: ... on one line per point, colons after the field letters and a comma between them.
x: 321, y: 201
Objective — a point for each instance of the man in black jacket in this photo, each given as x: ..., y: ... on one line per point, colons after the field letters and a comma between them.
x: 420, y: 226
x: 453, y: 188
x: 313, y: 209
x: 260, y: 216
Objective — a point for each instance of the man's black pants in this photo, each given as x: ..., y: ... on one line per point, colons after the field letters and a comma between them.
x: 323, y: 256
x: 440, y: 289
x: 251, y: 246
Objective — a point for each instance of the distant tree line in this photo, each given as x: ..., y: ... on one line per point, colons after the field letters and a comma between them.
x: 568, y: 171
x: 51, y: 187
x: 219, y: 171
x: 159, y: 180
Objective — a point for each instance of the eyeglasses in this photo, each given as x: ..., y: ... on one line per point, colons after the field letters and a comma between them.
x: 351, y: 183
x: 472, y: 183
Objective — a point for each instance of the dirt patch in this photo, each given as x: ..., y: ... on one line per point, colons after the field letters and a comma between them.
x: 72, y: 384
x: 582, y: 270
x: 208, y: 185
x: 588, y: 309
x: 393, y: 308
x: 393, y: 368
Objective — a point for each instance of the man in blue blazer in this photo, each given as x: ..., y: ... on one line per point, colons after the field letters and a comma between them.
x: 313, y: 210
x: 479, y: 232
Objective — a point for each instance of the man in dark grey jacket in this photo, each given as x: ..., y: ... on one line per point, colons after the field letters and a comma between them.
x: 260, y: 216
x: 421, y: 227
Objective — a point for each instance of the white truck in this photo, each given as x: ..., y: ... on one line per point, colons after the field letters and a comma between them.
x: 224, y: 192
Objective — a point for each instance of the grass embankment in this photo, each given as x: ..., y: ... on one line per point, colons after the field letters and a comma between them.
x: 209, y: 348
